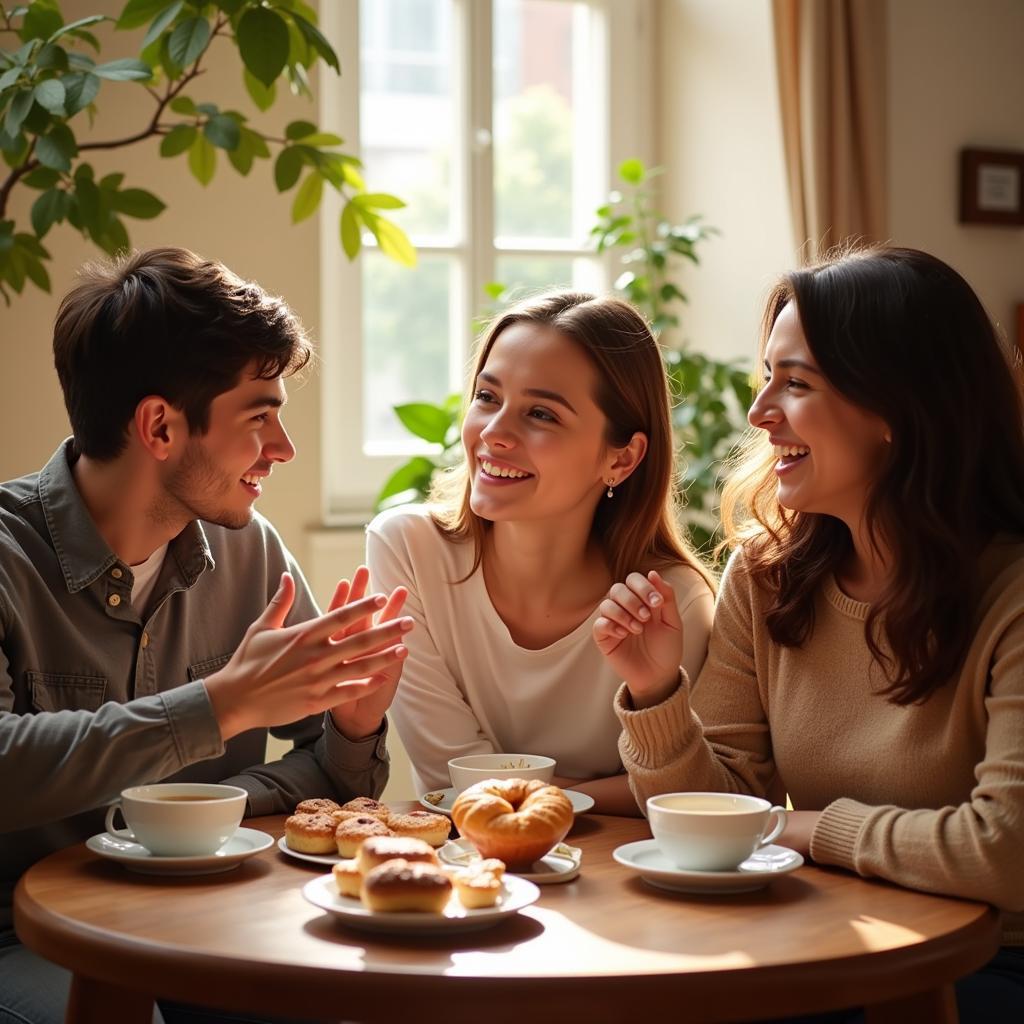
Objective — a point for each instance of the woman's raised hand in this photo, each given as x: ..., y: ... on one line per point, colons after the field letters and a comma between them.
x: 641, y: 635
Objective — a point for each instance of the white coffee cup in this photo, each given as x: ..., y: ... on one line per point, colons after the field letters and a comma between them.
x: 179, y: 819
x: 711, y: 831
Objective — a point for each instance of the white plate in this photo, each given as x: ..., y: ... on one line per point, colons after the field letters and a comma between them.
x: 581, y: 802
x: 246, y: 842
x: 313, y: 858
x: 561, y: 864
x: 516, y: 894
x: 754, y: 873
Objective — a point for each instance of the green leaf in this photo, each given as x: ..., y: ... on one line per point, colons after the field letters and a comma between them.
x: 262, y: 95
x: 351, y: 235
x: 307, y: 199
x: 52, y: 58
x: 10, y: 76
x: 414, y: 475
x: 317, y: 40
x: 287, y: 168
x: 262, y: 38
x: 202, y: 160
x: 494, y: 290
x: 115, y: 238
x: 50, y: 95
x: 299, y: 130
x: 42, y: 19
x: 75, y: 29
x: 41, y: 177
x: 188, y: 41
x: 184, y: 105
x: 36, y: 272
x: 18, y: 111
x: 137, y: 202
x: 322, y: 139
x: 90, y: 205
x: 178, y: 139
x: 223, y: 131
x: 431, y: 422
x: 86, y: 37
x: 632, y: 172
x: 242, y: 155
x: 127, y: 70
x: 80, y: 90
x: 138, y: 12
x: 230, y: 6
x: 379, y: 201
x: 46, y: 211
x: 160, y: 22
x: 57, y: 148
x: 111, y: 182
x: 393, y: 241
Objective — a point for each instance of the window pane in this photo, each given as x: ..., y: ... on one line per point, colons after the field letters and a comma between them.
x: 406, y: 328
x: 545, y: 156
x: 527, y: 275
x: 406, y: 111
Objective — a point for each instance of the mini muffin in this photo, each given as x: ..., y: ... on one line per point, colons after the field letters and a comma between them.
x: 348, y: 878
x: 398, y: 885
x: 432, y: 828
x: 350, y: 833
x: 367, y: 806
x: 310, y: 833
x: 476, y: 889
x: 378, y: 849
x: 320, y: 805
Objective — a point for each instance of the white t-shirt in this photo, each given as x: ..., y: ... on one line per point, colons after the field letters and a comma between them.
x: 468, y: 688
x: 144, y: 578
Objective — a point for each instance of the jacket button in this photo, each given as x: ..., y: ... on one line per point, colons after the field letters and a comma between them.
x: 114, y: 600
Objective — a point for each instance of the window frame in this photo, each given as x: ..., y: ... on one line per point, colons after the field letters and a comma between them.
x: 624, y: 43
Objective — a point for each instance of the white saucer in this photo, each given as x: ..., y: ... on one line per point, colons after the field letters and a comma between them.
x: 516, y: 894
x: 246, y: 842
x: 754, y: 873
x: 581, y: 802
x: 561, y: 864
x: 313, y: 858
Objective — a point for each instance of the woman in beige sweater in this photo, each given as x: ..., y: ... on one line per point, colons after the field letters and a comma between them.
x: 867, y: 655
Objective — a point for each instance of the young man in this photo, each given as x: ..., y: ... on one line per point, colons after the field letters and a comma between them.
x: 152, y: 625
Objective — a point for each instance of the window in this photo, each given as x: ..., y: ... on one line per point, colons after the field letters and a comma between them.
x: 498, y: 122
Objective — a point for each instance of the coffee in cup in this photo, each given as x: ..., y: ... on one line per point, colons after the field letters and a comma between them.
x: 179, y: 819
x: 712, y: 831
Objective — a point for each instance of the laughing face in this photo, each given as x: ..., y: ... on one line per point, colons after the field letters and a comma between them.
x: 828, y: 450
x: 534, y: 436
x: 219, y: 475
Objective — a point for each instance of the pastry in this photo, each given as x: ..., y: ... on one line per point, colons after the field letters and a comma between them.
x: 378, y: 849
x: 350, y: 833
x: 348, y: 878
x: 398, y: 885
x: 433, y: 828
x: 310, y: 833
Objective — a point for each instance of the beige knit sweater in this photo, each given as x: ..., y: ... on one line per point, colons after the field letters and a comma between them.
x: 928, y: 796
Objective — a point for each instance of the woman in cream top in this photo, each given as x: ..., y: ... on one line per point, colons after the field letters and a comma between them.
x: 567, y: 480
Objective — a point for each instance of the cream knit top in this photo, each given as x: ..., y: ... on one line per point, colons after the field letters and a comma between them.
x: 468, y: 688
x: 929, y: 796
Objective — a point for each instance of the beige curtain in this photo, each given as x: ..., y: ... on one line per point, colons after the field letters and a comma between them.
x: 831, y: 57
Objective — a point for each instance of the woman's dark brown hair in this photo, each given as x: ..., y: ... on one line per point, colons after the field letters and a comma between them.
x: 638, y: 529
x: 164, y: 322
x: 901, y: 334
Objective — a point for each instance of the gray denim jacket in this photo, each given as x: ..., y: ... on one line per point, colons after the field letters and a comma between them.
x: 95, y: 697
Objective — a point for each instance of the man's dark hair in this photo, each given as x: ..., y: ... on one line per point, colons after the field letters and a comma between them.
x: 164, y: 322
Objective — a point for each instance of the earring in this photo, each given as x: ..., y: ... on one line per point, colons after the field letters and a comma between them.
x: 611, y: 489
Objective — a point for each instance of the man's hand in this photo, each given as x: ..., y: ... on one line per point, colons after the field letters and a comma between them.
x: 640, y: 633
x: 280, y: 675
x: 360, y: 718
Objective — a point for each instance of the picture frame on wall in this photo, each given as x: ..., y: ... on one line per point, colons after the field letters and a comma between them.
x: 992, y: 187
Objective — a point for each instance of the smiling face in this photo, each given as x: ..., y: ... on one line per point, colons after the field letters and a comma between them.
x: 534, y: 435
x: 828, y: 450
x: 218, y: 475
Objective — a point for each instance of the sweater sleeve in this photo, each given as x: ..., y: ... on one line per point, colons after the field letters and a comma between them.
x: 433, y: 719
x: 971, y: 850
x: 715, y: 735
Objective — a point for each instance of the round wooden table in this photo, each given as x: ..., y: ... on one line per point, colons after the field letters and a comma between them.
x: 604, y: 947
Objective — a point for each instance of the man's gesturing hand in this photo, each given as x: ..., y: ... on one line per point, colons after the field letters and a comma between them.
x: 281, y: 674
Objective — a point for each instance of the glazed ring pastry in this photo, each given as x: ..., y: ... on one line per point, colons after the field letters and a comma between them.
x: 348, y: 878
x: 320, y: 805
x: 433, y: 828
x: 350, y: 833
x: 369, y: 806
x: 378, y: 849
x: 515, y: 820
x: 310, y: 833
x: 399, y: 885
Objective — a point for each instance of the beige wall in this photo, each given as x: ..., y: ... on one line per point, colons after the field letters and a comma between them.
x: 956, y: 79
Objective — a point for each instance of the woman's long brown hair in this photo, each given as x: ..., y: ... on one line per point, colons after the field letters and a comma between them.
x: 637, y: 529
x: 901, y: 334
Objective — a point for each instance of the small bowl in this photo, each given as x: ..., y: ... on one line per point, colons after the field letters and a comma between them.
x: 465, y: 771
